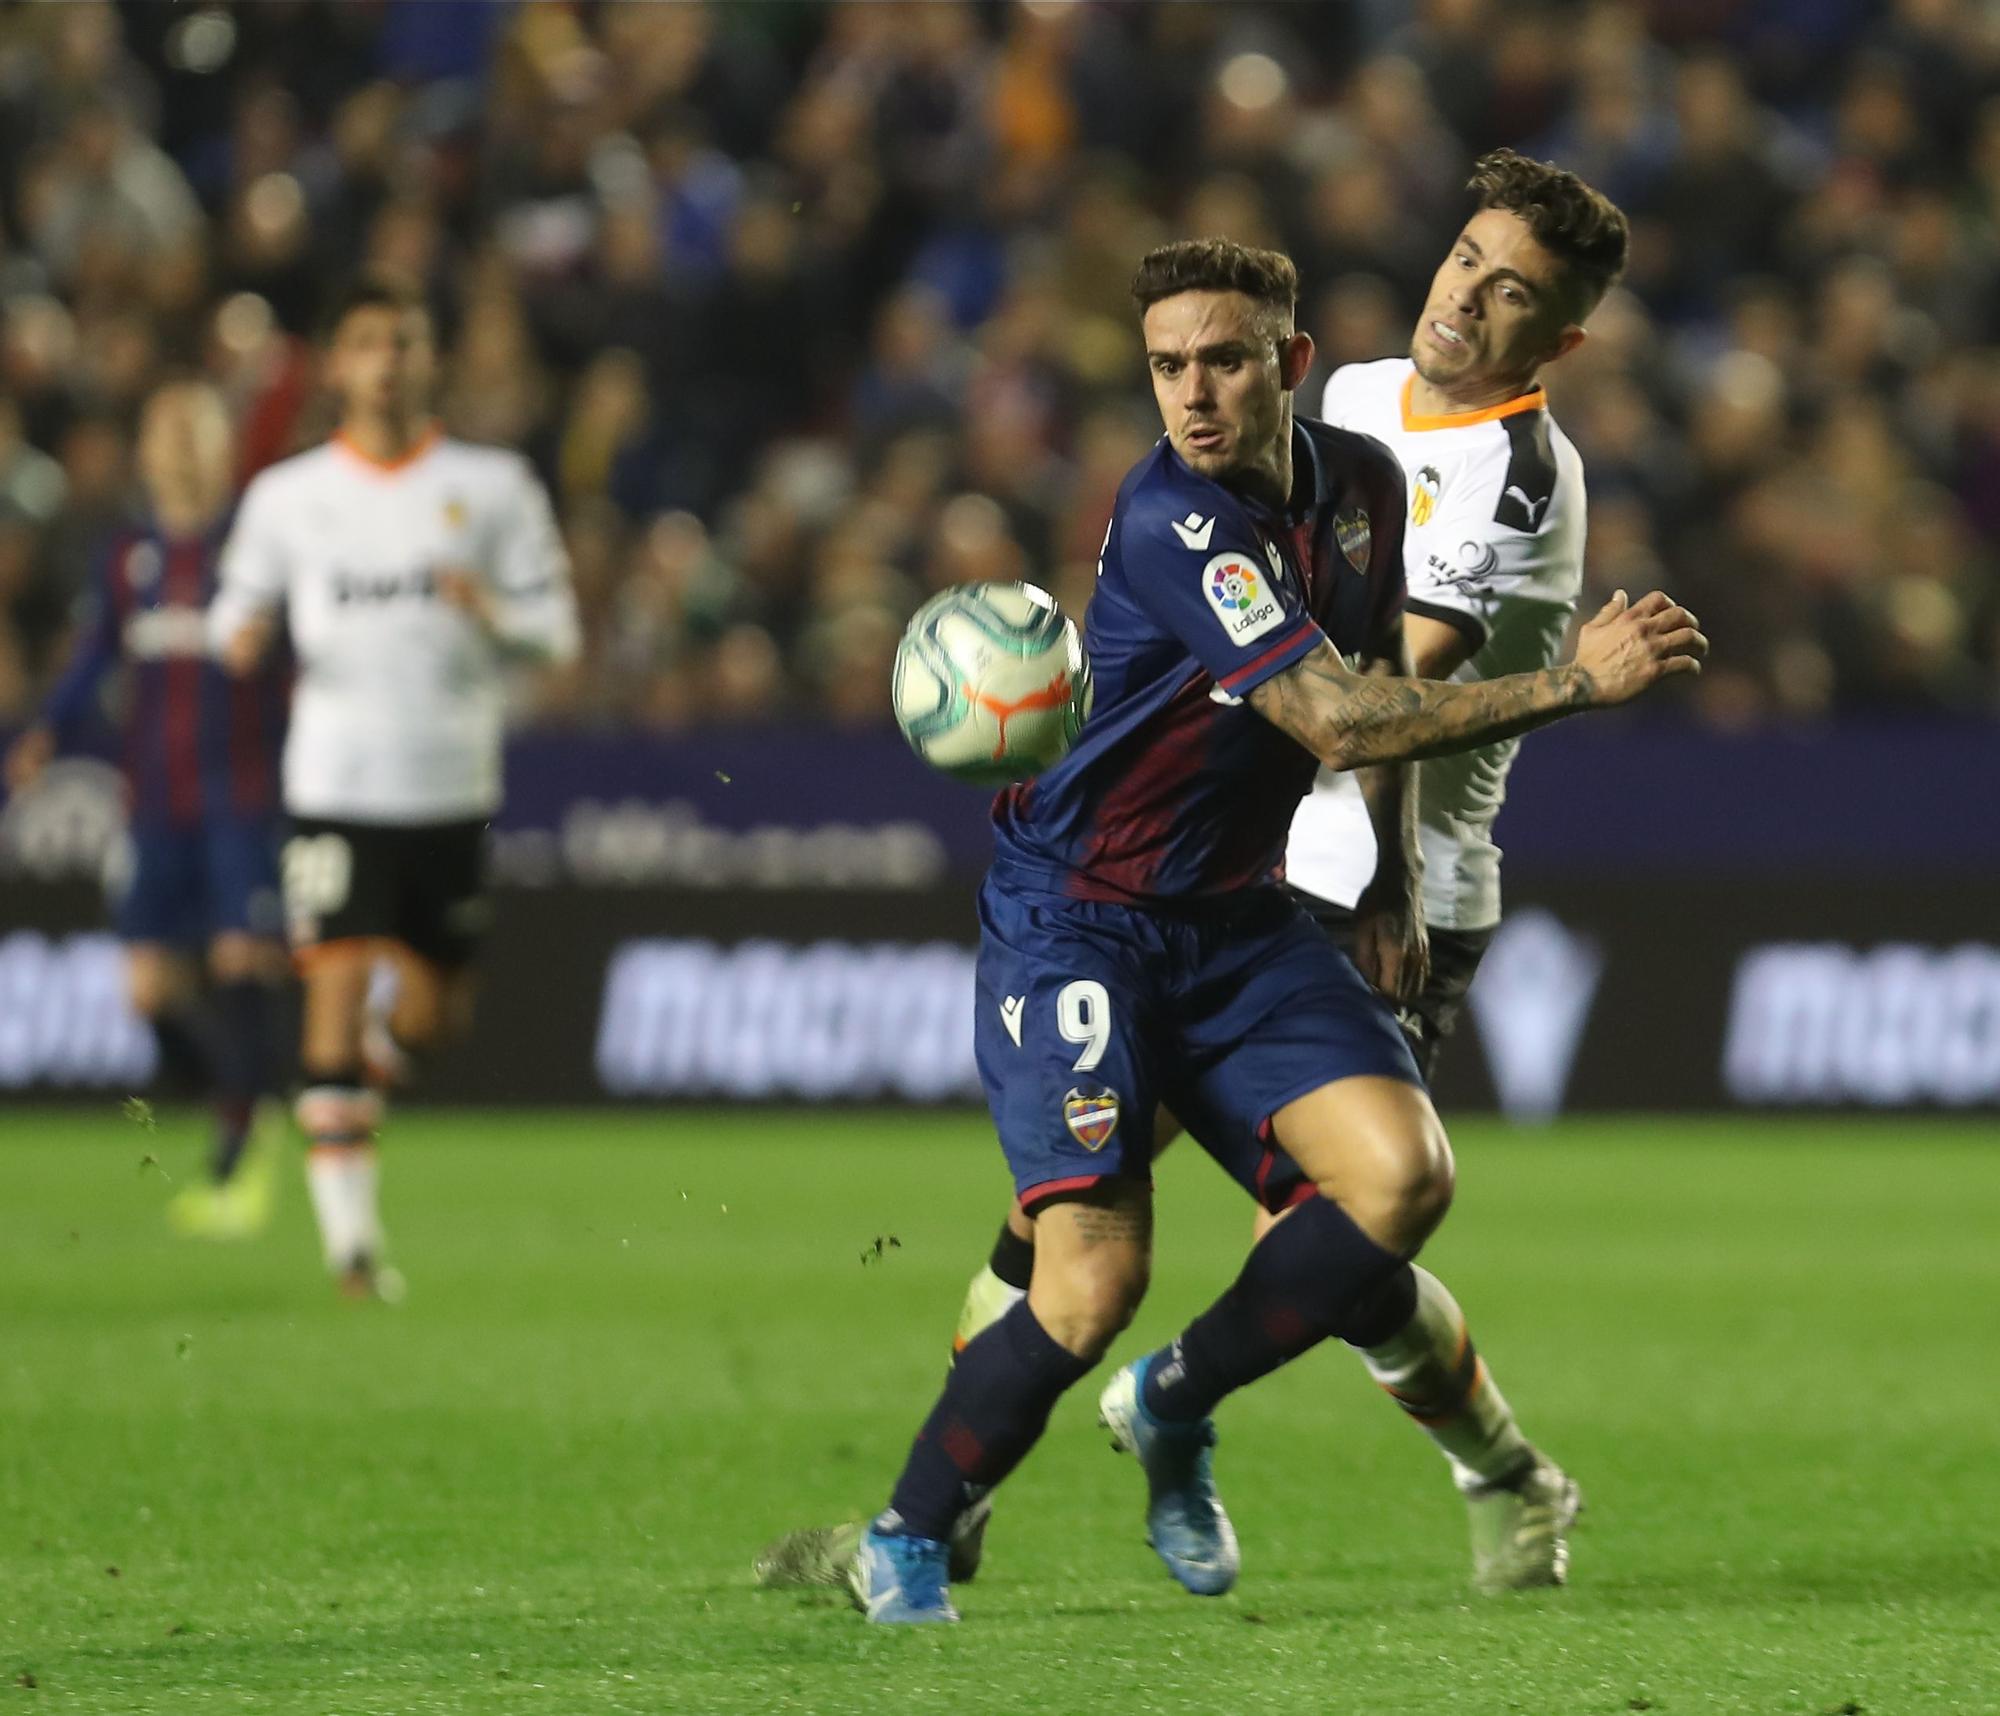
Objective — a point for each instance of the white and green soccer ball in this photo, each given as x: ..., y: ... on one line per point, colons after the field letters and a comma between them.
x: 991, y: 682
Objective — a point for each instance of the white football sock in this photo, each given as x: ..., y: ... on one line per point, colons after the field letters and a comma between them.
x: 1433, y: 1371
x: 339, y: 1123
x: 344, y: 1178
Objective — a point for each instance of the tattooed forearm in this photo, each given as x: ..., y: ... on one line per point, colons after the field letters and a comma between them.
x: 1347, y: 720
x: 1390, y: 792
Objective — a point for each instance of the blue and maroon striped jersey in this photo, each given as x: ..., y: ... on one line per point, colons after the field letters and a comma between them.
x: 198, y: 744
x: 1175, y: 789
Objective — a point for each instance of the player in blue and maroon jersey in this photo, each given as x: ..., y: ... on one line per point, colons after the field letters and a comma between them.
x: 1138, y: 953
x: 201, y: 766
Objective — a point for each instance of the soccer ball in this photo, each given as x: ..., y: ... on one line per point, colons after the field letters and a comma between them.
x: 991, y: 682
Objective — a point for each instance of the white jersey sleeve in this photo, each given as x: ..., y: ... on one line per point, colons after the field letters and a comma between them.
x: 534, y: 606
x: 255, y: 570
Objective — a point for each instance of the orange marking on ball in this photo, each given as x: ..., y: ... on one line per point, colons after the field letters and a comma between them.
x: 1051, y: 696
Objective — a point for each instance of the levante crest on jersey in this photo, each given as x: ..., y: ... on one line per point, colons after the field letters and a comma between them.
x: 1091, y: 1116
x: 1351, y: 530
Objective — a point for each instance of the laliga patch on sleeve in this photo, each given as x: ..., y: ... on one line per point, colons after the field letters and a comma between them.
x: 1242, y: 596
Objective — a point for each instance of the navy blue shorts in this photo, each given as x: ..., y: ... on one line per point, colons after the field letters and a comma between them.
x: 1092, y: 1015
x: 192, y: 884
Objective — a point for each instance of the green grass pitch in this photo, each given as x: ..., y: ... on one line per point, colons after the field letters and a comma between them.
x: 636, y: 1346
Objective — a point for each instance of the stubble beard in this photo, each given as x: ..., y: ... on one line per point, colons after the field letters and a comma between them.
x: 1270, y: 466
x: 1434, y: 374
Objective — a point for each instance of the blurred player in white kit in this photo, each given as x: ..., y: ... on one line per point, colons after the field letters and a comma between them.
x: 411, y: 571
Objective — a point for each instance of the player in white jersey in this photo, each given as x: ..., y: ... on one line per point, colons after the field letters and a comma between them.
x: 1493, y: 554
x: 1493, y: 557
x: 410, y: 571
x: 1493, y: 560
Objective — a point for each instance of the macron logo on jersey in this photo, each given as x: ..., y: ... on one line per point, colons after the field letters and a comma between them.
x: 1242, y: 598
x: 1194, y: 531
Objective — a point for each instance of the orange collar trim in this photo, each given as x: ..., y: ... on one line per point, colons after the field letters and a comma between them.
x: 1535, y: 400
x: 415, y: 451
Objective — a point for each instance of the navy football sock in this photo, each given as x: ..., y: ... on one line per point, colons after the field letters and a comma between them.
x: 1013, y: 1259
x: 189, y: 1048
x: 233, y: 1119
x: 242, y: 1065
x: 995, y: 1404
x: 1384, y: 1310
x: 1299, y: 1284
x: 243, y: 1045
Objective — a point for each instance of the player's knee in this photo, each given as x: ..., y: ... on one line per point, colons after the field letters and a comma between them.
x: 1088, y: 1305
x: 336, y: 1107
x: 235, y: 958
x: 1426, y: 1193
x: 431, y: 1012
x: 417, y: 1037
x: 1417, y: 1191
x: 147, y: 991
x: 1403, y: 1190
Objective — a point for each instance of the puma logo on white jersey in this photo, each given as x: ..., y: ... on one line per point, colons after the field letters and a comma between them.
x: 1532, y: 508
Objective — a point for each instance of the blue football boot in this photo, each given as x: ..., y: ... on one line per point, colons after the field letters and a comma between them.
x: 1185, y: 1521
x: 900, y: 1581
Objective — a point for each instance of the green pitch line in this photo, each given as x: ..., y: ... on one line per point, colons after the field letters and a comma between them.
x: 636, y: 1347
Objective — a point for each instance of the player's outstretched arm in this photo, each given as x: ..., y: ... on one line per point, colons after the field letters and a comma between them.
x: 1347, y: 719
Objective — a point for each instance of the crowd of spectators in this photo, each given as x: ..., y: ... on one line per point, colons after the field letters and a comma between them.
x: 805, y: 310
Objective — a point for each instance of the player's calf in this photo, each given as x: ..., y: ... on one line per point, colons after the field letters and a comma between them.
x: 408, y: 1016
x: 1000, y: 1285
x: 1431, y: 1369
x: 822, y: 1555
x: 1521, y: 1504
x: 1091, y: 1270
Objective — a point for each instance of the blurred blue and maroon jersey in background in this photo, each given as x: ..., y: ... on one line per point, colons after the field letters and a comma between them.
x: 199, y: 745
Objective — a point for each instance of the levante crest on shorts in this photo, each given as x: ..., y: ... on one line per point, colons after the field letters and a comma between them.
x: 1091, y: 1117
x: 1352, y: 532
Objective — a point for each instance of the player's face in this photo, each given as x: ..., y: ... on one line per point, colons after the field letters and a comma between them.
x: 382, y: 362
x: 1220, y: 378
x: 1498, y: 309
x: 186, y: 451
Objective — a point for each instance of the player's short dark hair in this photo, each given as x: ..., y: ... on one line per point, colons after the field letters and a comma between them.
x: 373, y: 289
x: 1217, y: 265
x: 1584, y: 229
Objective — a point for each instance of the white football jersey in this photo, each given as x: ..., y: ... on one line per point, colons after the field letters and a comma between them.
x: 1493, y: 547
x: 397, y: 711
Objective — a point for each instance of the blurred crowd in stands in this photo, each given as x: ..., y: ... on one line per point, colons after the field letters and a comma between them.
x: 805, y: 310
